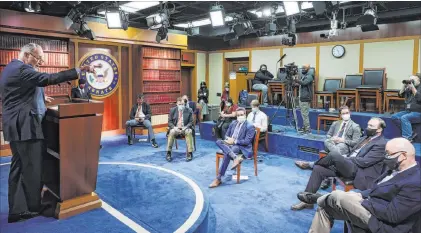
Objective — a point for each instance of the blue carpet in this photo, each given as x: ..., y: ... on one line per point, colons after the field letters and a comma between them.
x: 260, y: 204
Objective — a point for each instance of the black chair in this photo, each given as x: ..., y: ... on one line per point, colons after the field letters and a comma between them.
x: 250, y: 97
x: 181, y: 137
x: 352, y: 81
x: 139, y: 126
x: 330, y: 87
x: 374, y: 81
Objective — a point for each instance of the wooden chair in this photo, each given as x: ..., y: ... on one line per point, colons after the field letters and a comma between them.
x: 264, y: 137
x: 142, y: 127
x: 388, y: 95
x: 374, y: 81
x: 326, y: 117
x: 347, y: 184
x: 349, y: 89
x: 220, y: 155
x: 330, y: 87
x: 275, y: 88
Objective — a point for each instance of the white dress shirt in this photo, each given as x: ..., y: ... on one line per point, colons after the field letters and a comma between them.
x: 260, y: 120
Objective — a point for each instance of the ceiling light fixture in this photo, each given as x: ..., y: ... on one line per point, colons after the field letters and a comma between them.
x: 217, y: 15
x: 116, y: 18
x: 291, y: 8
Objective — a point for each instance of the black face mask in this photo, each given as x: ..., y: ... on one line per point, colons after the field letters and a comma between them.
x: 370, y: 132
x: 304, y: 71
x: 392, y: 163
x: 203, y: 86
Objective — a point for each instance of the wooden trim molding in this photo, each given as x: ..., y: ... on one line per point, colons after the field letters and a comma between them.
x: 120, y: 97
x: 416, y: 56
x: 361, y: 66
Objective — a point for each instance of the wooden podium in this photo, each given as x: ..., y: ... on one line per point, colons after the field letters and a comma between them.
x: 72, y: 130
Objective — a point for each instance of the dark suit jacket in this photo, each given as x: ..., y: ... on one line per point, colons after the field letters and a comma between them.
x: 17, y: 87
x: 395, y: 205
x: 369, y: 162
x: 77, y: 94
x: 245, y: 137
x: 187, y: 118
x: 146, y: 109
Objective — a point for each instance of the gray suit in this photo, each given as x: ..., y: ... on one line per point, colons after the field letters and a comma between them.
x: 352, y: 134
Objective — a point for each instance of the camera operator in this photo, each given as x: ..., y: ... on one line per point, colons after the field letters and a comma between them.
x: 411, y: 91
x: 260, y: 82
x: 305, y: 82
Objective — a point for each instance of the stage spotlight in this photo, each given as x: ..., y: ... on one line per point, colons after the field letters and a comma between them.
x: 72, y: 17
x: 243, y: 28
x: 291, y: 8
x: 82, y: 29
x: 368, y: 21
x: 162, y: 34
x: 32, y: 7
x: 116, y: 18
x: 158, y: 20
x: 217, y: 15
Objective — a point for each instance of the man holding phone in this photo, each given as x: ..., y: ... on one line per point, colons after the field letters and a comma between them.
x: 180, y: 123
x: 237, y: 144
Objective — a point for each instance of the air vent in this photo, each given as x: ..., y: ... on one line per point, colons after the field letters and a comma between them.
x: 308, y: 150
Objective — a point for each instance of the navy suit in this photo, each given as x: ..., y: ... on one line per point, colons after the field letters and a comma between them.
x: 242, y: 145
x: 22, y: 127
x: 395, y: 205
x: 363, y: 169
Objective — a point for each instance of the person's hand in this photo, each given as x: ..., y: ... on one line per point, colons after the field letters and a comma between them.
x: 48, y: 99
x: 229, y: 141
x: 137, y: 118
x: 88, y: 68
x: 339, y: 140
x: 141, y: 119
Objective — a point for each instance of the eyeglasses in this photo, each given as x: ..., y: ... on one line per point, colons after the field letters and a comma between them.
x: 39, y: 59
x: 392, y: 155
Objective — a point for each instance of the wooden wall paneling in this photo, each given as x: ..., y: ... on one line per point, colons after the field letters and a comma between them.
x: 130, y: 62
x: 194, y: 79
x: 416, y: 56
x: 120, y: 104
x: 125, y: 85
x: 111, y: 103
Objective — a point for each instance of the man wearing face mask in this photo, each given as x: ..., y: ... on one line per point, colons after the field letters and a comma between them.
x: 260, y: 81
x: 363, y: 165
x: 237, y: 144
x: 342, y: 136
x: 305, y: 84
x: 392, y: 205
x: 257, y: 118
x: 180, y: 122
x: 412, y: 93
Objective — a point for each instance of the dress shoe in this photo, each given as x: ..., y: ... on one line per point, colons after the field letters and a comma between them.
x: 308, y: 198
x: 169, y: 156
x: 154, y: 144
x: 189, y: 156
x: 303, y: 165
x: 21, y: 216
x: 215, y: 183
x: 301, y: 206
x: 237, y: 161
x: 325, y: 184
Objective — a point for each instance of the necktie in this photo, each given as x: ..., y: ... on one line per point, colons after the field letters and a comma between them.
x: 342, y: 130
x: 180, y: 119
x: 254, y: 117
x: 363, y: 143
x: 236, y: 131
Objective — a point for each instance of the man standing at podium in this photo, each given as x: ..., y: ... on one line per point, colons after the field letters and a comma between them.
x: 19, y: 87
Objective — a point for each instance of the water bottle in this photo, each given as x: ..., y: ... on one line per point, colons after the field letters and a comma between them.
x: 327, y: 106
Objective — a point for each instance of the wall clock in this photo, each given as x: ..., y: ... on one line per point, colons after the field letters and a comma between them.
x: 338, y: 51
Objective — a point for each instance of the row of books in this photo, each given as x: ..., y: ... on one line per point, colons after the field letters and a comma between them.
x: 166, y: 75
x: 161, y: 98
x: 152, y: 63
x: 161, y: 87
x: 160, y: 109
x: 51, y: 70
x: 50, y: 59
x: 63, y: 88
x: 161, y: 53
x: 17, y: 42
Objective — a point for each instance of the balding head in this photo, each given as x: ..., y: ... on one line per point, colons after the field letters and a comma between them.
x: 305, y: 68
x: 402, y: 150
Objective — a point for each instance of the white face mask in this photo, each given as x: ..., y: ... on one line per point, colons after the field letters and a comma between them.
x: 228, y: 104
x: 241, y: 119
x: 227, y: 89
x: 254, y: 109
x: 346, y: 117
x: 180, y: 107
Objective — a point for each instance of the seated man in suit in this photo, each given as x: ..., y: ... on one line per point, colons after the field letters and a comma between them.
x: 140, y: 115
x: 192, y: 105
x: 392, y: 205
x: 257, y: 118
x: 180, y: 123
x: 342, y: 136
x: 80, y: 92
x: 363, y: 165
x: 239, y: 140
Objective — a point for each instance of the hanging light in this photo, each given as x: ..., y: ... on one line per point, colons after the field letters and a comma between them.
x: 217, y: 13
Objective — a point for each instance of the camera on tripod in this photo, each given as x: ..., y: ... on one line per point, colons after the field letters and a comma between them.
x: 407, y: 82
x: 291, y: 70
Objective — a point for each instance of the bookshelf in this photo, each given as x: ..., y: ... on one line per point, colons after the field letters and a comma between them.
x: 161, y: 78
x: 56, y: 57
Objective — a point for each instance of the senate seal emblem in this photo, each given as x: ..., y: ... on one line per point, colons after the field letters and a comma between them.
x: 105, y: 80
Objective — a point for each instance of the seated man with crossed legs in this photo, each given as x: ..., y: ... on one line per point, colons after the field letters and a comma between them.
x: 239, y: 140
x: 363, y: 165
x: 392, y: 205
x: 342, y: 136
x: 180, y: 123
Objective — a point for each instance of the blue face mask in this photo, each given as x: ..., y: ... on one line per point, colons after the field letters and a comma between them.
x: 180, y: 107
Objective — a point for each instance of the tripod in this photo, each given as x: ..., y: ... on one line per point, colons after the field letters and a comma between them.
x: 290, y: 104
